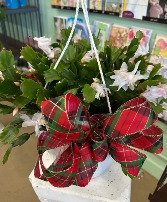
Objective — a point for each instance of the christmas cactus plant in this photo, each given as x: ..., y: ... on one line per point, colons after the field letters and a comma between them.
x: 70, y: 102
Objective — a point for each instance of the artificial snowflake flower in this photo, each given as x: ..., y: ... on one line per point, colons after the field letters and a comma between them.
x: 17, y: 83
x: 88, y: 56
x: 30, y: 68
x: 100, y: 88
x: 57, y: 51
x: 124, y: 79
x: 150, y: 68
x: 1, y: 127
x: 142, y: 50
x: 155, y: 94
x: 77, y: 36
x: 156, y: 59
x: 45, y: 45
x: 15, y: 111
x: 1, y: 75
x: 163, y: 115
x: 54, y: 52
x: 163, y: 72
x: 37, y: 121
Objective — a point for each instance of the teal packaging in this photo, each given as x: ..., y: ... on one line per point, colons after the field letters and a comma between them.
x: 12, y: 4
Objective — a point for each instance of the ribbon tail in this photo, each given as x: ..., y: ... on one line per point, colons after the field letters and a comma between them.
x: 133, y: 117
x: 130, y: 159
x: 87, y: 166
x: 150, y: 139
x: 62, y: 172
x: 38, y: 172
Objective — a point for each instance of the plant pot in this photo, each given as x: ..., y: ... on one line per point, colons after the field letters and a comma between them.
x: 50, y: 155
x: 111, y: 185
x: 103, y: 166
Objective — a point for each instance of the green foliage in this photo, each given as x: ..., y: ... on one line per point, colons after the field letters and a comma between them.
x: 7, y: 65
x: 21, y: 101
x: 61, y: 87
x: 40, y: 96
x: 88, y: 93
x: 29, y: 88
x: 73, y: 91
x: 6, y: 60
x: 156, y: 68
x: 21, y: 140
x: 5, y: 109
x: 26, y: 90
x: 7, y: 153
x: 69, y: 75
x: 70, y: 54
x: 37, y: 60
x: 7, y: 87
x: 51, y: 75
x: 157, y: 108
x: 8, y: 134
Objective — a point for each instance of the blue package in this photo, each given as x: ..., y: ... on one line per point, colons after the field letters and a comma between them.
x: 81, y: 27
x: 70, y: 21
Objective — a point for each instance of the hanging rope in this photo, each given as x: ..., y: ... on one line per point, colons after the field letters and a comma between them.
x: 69, y: 39
x: 84, y: 7
x: 87, y: 17
x: 93, y: 46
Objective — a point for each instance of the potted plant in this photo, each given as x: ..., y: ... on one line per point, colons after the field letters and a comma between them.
x: 67, y: 106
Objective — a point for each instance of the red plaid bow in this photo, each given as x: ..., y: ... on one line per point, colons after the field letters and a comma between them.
x: 87, y: 140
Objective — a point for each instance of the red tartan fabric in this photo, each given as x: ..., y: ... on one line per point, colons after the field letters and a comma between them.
x: 87, y: 140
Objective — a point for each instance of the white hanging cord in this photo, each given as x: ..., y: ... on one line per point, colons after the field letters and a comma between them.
x: 69, y: 39
x: 84, y: 7
x: 89, y: 23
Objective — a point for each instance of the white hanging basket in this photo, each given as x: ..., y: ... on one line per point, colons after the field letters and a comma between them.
x: 111, y: 186
x: 49, y: 157
x: 103, y: 166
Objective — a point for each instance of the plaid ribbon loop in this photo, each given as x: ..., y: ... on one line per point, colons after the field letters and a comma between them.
x: 83, y: 141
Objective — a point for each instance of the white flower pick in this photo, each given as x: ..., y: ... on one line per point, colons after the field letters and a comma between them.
x: 100, y: 88
x: 15, y: 111
x: 1, y: 127
x: 88, y: 56
x: 155, y: 94
x: 45, y: 45
x: 1, y: 75
x: 77, y: 36
x: 163, y: 71
x: 124, y: 79
x: 142, y: 50
x: 37, y: 121
x: 163, y: 115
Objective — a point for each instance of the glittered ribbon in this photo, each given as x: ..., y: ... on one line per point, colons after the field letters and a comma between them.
x: 86, y: 140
